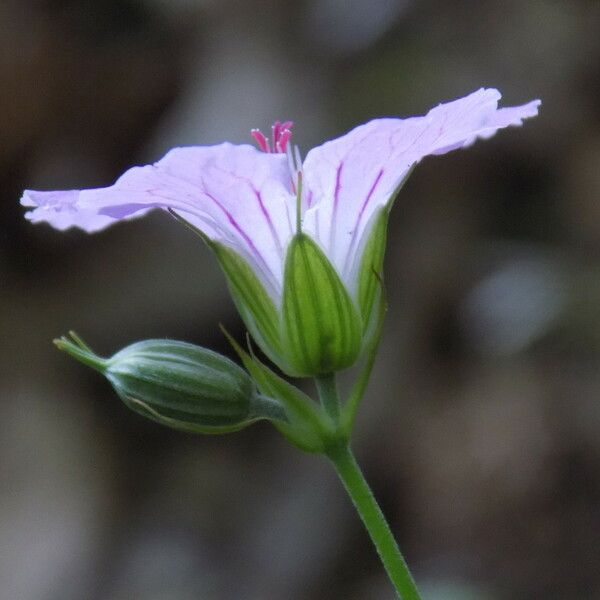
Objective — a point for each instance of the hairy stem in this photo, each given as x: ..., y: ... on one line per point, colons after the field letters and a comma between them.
x: 362, y: 497
x: 358, y: 489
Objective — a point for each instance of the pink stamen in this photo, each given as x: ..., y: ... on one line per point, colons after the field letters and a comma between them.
x: 275, y: 130
x: 284, y: 138
x: 281, y: 134
x: 261, y: 140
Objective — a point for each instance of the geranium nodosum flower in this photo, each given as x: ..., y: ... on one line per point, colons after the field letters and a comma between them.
x: 301, y: 243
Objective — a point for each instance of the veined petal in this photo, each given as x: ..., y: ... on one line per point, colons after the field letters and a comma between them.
x: 233, y: 194
x: 348, y: 178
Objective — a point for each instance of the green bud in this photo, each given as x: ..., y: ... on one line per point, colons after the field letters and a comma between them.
x: 180, y: 385
x: 321, y: 326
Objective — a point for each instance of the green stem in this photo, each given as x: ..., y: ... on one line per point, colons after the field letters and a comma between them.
x: 362, y: 497
x: 328, y: 394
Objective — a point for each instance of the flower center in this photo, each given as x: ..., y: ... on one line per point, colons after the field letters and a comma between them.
x: 281, y: 133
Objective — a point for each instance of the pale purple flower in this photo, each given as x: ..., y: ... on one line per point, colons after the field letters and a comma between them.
x: 246, y: 198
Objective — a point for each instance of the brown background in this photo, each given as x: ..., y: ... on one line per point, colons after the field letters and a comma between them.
x: 480, y: 432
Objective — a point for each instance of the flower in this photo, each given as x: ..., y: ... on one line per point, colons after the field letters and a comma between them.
x: 253, y: 206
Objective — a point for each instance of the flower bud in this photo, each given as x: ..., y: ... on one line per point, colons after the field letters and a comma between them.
x: 180, y: 385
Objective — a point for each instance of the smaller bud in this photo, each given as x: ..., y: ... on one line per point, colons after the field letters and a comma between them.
x: 180, y: 385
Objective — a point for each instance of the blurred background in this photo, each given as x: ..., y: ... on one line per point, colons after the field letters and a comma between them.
x: 480, y: 432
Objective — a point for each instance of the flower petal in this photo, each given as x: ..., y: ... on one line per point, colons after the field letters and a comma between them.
x: 62, y: 211
x: 234, y: 194
x: 349, y: 177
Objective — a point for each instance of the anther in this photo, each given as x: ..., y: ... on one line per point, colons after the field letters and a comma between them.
x: 281, y: 134
x: 262, y: 141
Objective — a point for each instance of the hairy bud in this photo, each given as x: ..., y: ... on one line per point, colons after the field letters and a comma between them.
x: 180, y: 385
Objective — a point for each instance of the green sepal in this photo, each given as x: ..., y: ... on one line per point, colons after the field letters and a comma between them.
x: 260, y: 409
x: 370, y: 268
x: 373, y: 339
x: 180, y: 385
x: 321, y: 327
x: 370, y: 271
x: 251, y: 299
x: 180, y: 421
x: 306, y: 426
